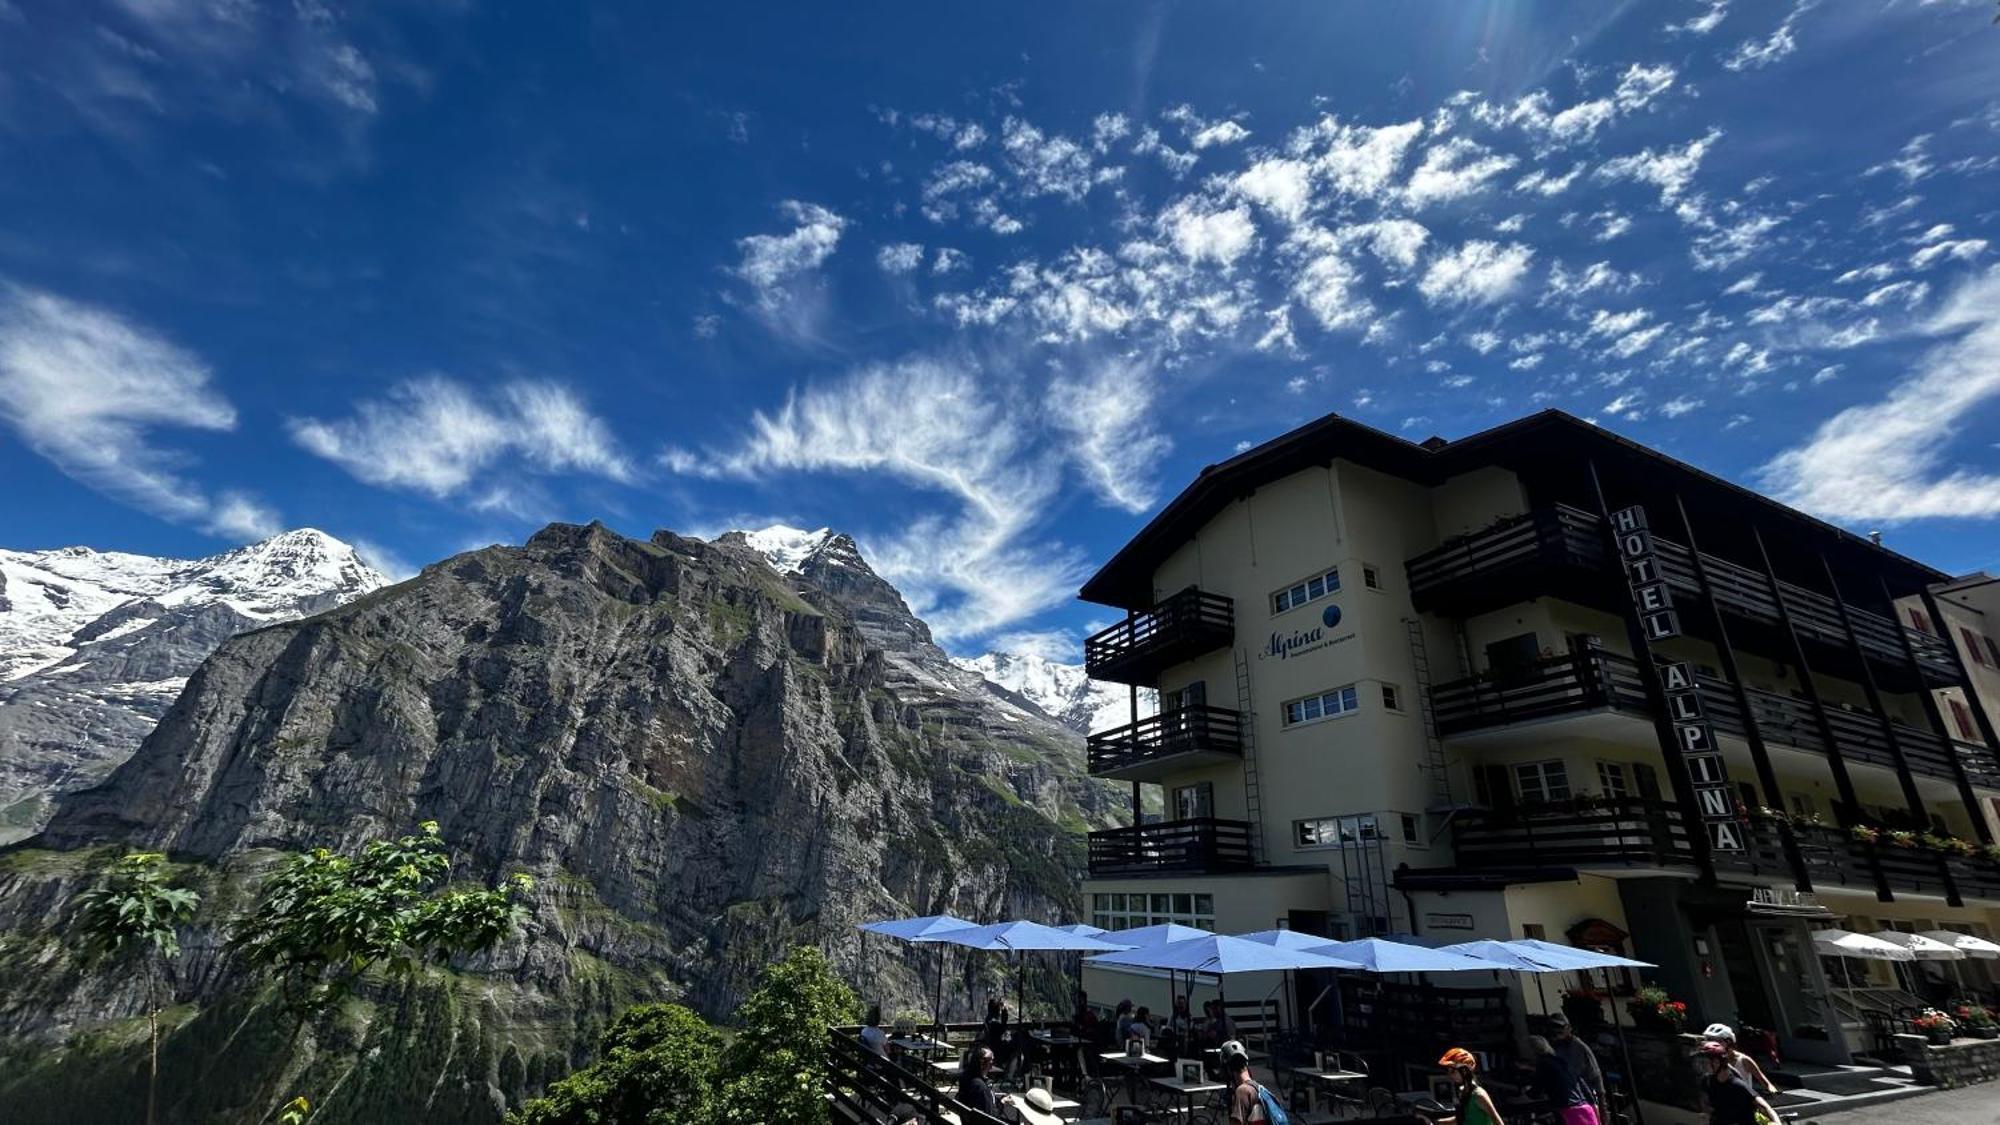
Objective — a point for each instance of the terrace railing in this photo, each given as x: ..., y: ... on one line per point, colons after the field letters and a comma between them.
x: 1608, y: 833
x: 1196, y: 847
x: 1557, y: 685
x: 1526, y: 545
x: 1184, y: 626
x: 1169, y: 734
x: 863, y: 1086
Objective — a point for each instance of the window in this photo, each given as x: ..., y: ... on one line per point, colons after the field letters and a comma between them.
x: 1972, y: 646
x: 1392, y: 698
x: 1336, y: 831
x: 1130, y: 911
x: 1194, y: 802
x: 1962, y: 718
x: 1919, y: 620
x: 1371, y: 576
x: 1310, y: 590
x: 1327, y: 705
x: 1802, y: 805
x: 1611, y: 779
x: 1534, y: 931
x: 1542, y: 781
x: 1413, y: 830
x: 1992, y: 648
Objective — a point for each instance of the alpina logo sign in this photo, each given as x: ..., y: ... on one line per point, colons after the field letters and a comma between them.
x: 1284, y: 646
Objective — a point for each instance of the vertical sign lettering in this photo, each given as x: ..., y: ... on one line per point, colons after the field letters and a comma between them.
x: 1655, y: 603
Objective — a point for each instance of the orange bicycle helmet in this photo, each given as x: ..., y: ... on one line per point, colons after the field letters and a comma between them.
x: 1459, y: 1056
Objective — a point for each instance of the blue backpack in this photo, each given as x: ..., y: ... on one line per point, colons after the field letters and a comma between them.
x: 1273, y: 1112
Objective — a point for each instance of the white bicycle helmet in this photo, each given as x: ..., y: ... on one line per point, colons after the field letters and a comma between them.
x: 1720, y: 1032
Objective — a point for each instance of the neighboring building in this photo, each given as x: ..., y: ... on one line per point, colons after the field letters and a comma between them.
x: 1406, y: 687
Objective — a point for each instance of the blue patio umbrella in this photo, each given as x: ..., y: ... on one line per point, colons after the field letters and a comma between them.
x: 1512, y: 954
x: 1020, y: 937
x: 1161, y: 934
x: 1571, y: 957
x: 1418, y: 939
x: 1084, y: 928
x: 1285, y: 939
x: 1380, y: 955
x: 1221, y: 955
x: 921, y: 930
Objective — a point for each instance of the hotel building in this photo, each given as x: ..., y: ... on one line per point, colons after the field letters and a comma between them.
x: 1545, y: 681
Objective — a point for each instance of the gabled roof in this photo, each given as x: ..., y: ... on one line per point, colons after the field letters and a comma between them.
x: 1550, y: 446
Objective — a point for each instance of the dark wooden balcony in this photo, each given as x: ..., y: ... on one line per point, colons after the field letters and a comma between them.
x: 1510, y: 561
x: 1580, y: 834
x: 1562, y: 685
x: 1154, y: 747
x: 1588, y: 682
x: 1180, y: 628
x: 1179, y: 847
x: 1559, y: 550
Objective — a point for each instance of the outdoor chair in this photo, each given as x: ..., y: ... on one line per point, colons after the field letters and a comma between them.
x: 1382, y: 1102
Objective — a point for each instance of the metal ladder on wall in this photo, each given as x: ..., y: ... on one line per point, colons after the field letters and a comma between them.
x: 1364, y: 875
x: 1434, y: 758
x: 1253, y: 801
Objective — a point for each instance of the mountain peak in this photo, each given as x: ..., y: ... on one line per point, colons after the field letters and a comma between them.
x: 788, y: 549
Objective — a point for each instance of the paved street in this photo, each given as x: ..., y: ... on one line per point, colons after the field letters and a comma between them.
x: 1973, y: 1105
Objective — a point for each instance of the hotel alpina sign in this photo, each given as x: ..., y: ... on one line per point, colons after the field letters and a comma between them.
x: 1706, y: 769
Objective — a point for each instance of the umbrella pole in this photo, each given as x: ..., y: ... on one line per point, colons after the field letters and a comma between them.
x: 1541, y: 998
x: 937, y: 1004
x: 1618, y: 1027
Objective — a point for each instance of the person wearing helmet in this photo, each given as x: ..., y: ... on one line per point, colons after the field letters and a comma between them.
x: 1475, y: 1105
x: 1730, y: 1099
x: 1738, y: 1061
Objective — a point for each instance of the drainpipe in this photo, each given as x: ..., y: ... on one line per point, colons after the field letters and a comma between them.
x: 1767, y: 775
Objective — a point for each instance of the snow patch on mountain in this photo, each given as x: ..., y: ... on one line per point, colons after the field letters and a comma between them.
x: 787, y: 548
x: 1064, y: 692
x: 96, y: 645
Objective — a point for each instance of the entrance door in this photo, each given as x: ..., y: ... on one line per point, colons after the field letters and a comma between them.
x: 1194, y: 802
x: 1511, y: 658
x: 1753, y: 1003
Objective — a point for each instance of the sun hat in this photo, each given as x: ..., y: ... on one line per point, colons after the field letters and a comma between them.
x: 1038, y: 1107
x: 1459, y: 1056
x: 1720, y: 1032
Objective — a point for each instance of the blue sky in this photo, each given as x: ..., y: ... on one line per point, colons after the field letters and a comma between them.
x: 982, y: 284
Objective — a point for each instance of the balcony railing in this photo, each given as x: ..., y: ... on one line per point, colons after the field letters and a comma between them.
x: 1579, y: 681
x: 1652, y: 834
x: 1176, y: 739
x: 1542, y: 552
x: 1614, y: 833
x: 1582, y: 682
x: 1182, y: 627
x: 1190, y: 847
x: 1525, y: 548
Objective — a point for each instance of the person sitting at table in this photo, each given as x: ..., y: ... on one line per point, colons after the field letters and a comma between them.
x: 975, y: 1086
x: 1141, y: 1027
x: 1175, y: 1035
x: 872, y: 1035
x: 1219, y: 1029
x: 1567, y: 1093
x: 1121, y: 1021
x: 1085, y: 1022
x: 1475, y: 1105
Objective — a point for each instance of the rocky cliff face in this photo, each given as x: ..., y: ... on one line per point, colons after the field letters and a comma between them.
x: 703, y: 760
x: 94, y: 646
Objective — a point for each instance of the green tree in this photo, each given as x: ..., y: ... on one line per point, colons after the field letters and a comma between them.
x: 135, y: 915
x: 656, y: 1066
x: 776, y: 1065
x: 325, y: 920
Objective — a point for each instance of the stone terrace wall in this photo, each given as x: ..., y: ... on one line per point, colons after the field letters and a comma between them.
x: 1966, y: 1062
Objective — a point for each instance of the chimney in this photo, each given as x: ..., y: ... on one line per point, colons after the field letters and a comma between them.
x: 1875, y: 537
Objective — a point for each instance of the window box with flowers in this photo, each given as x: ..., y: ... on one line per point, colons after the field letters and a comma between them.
x: 1865, y: 834
x: 1654, y: 1009
x: 1948, y: 845
x: 1976, y: 1021
x: 1934, y: 1026
x: 1900, y: 837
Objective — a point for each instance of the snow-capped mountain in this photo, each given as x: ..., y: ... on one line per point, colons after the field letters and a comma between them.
x: 96, y: 645
x: 1062, y: 691
x: 1048, y: 688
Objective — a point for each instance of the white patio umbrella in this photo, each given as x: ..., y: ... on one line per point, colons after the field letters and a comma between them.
x: 1927, y: 949
x: 1974, y: 947
x: 1861, y: 947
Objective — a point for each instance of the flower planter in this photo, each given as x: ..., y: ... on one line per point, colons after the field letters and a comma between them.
x: 1938, y: 1038
x: 1980, y: 1032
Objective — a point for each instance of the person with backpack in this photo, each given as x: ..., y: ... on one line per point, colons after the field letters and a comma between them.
x: 1475, y: 1105
x: 1730, y: 1098
x: 1249, y: 1102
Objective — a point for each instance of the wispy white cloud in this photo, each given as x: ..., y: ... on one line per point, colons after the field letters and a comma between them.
x: 1109, y: 417
x: 772, y: 261
x: 941, y: 426
x: 1702, y: 22
x: 900, y: 257
x: 1755, y: 54
x: 92, y: 392
x: 1886, y: 460
x: 1454, y: 168
x: 1479, y: 272
x: 437, y: 436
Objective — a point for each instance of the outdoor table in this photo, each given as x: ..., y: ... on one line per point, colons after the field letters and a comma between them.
x: 918, y: 1045
x: 942, y: 1071
x: 1055, y: 1039
x: 1330, y: 1077
x: 1132, y: 1064
x: 1186, y: 1092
